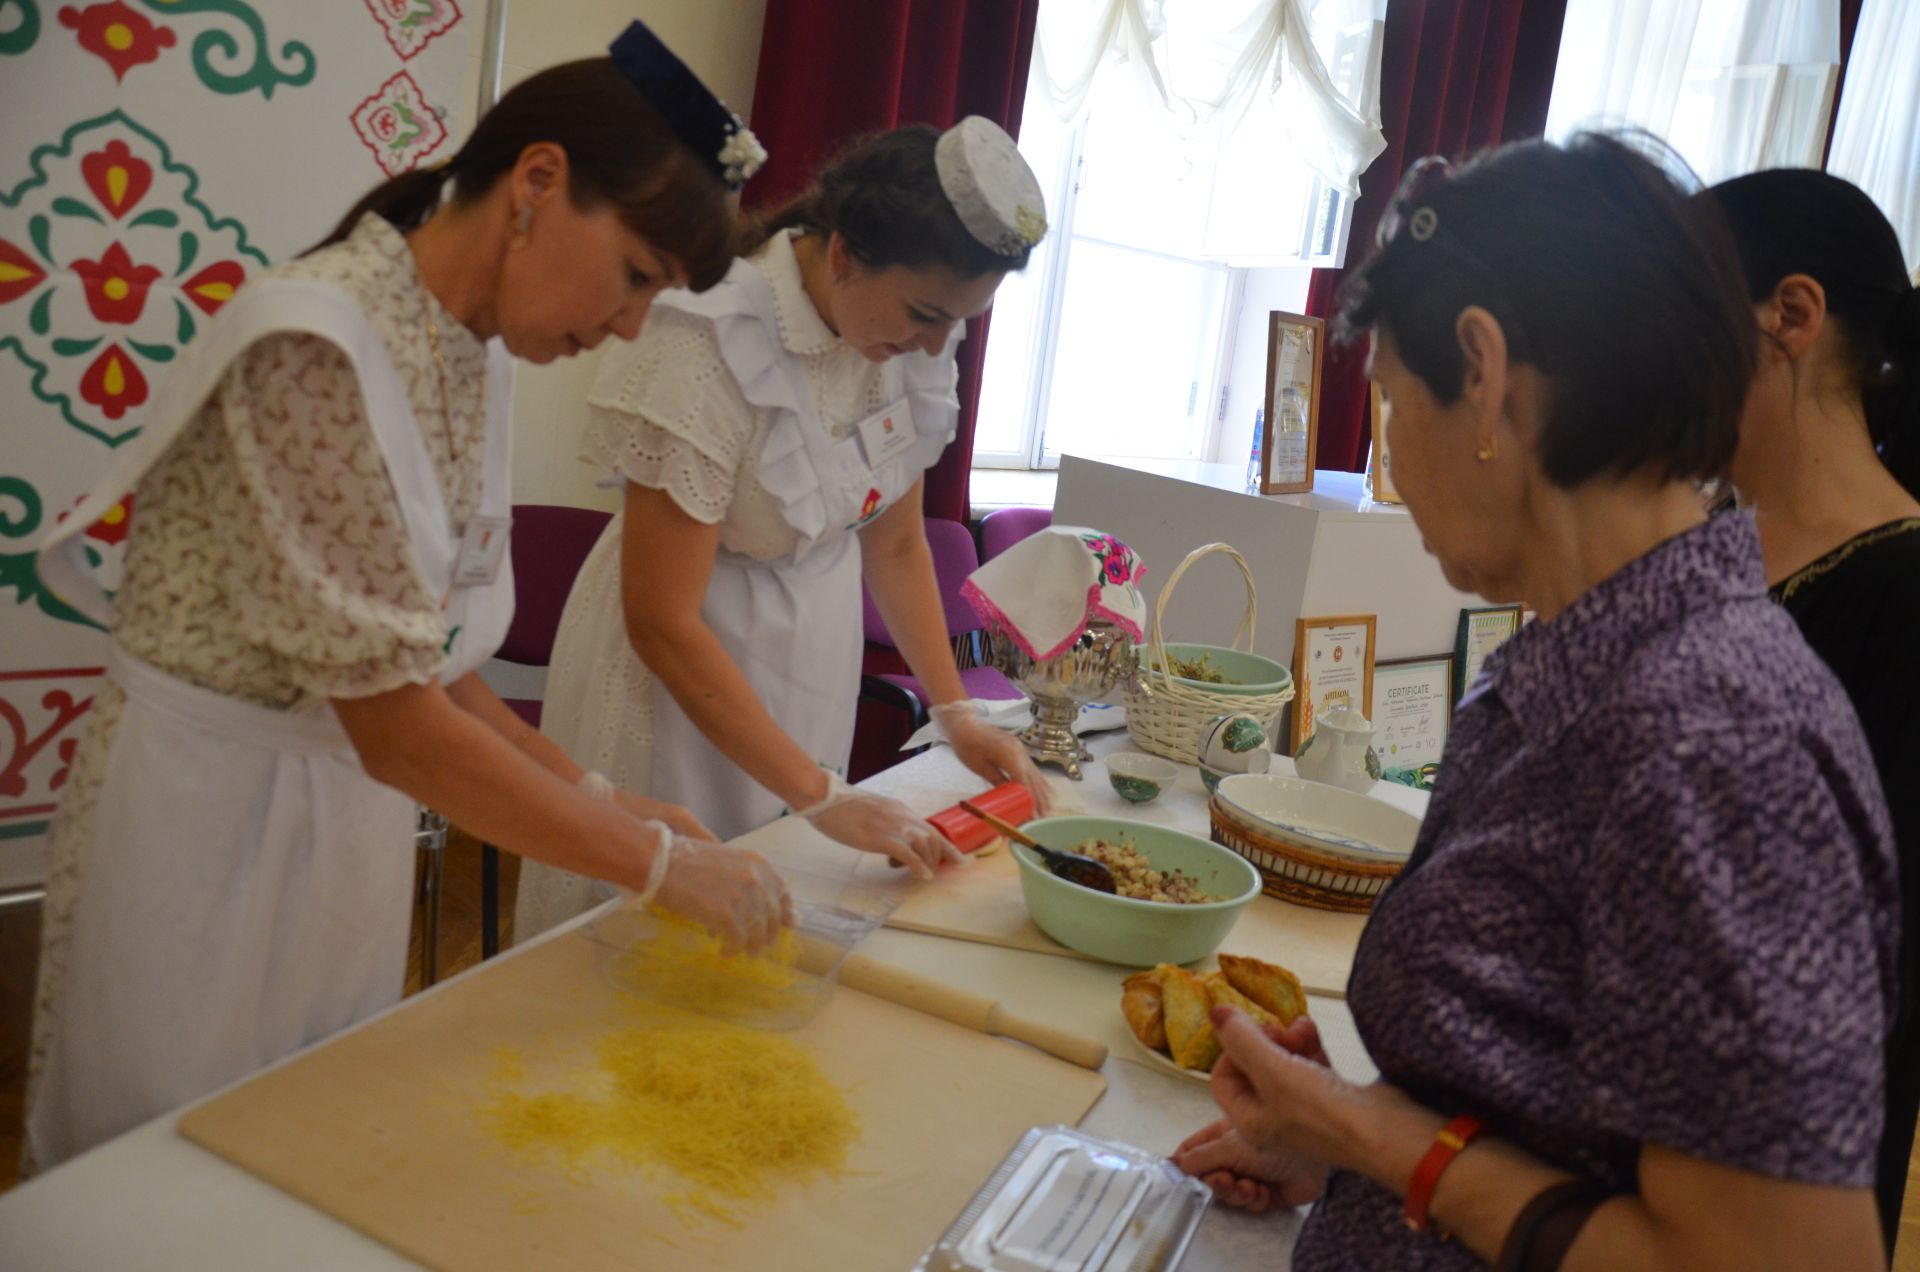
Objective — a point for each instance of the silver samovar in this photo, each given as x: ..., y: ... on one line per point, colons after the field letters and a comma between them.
x: 1102, y: 659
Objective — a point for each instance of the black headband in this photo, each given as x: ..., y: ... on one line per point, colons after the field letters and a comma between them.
x: 699, y: 118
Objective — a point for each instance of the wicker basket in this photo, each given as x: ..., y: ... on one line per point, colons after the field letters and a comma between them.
x: 1299, y: 872
x: 1168, y: 719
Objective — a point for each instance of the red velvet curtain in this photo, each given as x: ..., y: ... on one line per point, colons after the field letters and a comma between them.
x: 1456, y: 76
x: 831, y: 70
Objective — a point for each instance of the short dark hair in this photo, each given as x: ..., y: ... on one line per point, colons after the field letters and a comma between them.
x: 882, y: 194
x: 1804, y: 221
x: 620, y: 151
x: 1603, y: 275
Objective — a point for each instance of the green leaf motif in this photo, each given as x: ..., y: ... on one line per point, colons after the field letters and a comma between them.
x: 186, y: 329
x: 162, y: 217
x: 41, y: 230
x: 17, y: 488
x: 25, y: 29
x: 236, y: 74
x: 151, y: 352
x: 40, y: 320
x: 189, y: 251
x: 72, y: 347
x: 73, y: 207
x: 1244, y: 735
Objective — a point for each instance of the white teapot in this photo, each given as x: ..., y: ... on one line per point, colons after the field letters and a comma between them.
x: 1339, y: 752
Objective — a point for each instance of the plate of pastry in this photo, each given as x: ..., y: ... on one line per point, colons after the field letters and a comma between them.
x: 1167, y: 1009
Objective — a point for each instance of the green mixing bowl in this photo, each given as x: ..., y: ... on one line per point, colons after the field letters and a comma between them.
x: 1120, y: 929
x: 1251, y: 675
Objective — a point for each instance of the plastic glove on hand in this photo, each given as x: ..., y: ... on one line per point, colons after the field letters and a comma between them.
x: 874, y: 823
x: 993, y: 753
x: 733, y: 893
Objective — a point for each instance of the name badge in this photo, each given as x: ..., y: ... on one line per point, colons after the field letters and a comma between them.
x: 482, y: 548
x: 886, y: 433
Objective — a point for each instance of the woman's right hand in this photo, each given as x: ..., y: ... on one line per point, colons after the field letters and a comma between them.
x: 731, y: 892
x: 875, y: 823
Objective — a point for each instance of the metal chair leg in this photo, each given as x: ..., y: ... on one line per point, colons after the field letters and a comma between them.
x: 489, y: 901
x: 430, y: 837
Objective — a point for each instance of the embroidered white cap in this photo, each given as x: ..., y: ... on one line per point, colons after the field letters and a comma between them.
x: 990, y: 186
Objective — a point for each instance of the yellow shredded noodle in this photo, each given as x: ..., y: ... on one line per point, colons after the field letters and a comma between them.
x: 684, y: 967
x: 729, y: 1112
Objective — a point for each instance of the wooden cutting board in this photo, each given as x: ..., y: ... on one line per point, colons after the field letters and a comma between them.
x: 982, y: 902
x: 378, y: 1129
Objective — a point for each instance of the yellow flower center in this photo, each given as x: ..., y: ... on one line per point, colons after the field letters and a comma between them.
x: 117, y: 184
x: 115, y: 515
x: 116, y: 378
x: 115, y: 288
x: 216, y: 291
x: 119, y: 38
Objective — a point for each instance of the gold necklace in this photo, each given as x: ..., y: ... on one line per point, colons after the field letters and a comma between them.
x: 440, y: 372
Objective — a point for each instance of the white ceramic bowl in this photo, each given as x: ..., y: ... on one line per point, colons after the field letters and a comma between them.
x: 1337, y: 822
x: 1140, y: 778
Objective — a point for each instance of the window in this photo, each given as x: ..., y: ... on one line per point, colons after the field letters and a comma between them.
x: 1119, y: 339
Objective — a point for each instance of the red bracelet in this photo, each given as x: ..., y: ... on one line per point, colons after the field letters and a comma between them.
x: 1447, y: 1143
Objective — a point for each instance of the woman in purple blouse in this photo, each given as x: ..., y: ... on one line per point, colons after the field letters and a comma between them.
x: 1647, y: 938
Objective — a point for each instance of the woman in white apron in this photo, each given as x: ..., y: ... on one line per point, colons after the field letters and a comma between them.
x: 771, y: 436
x: 316, y: 568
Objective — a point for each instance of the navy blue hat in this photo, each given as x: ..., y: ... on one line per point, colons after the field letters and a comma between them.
x: 701, y: 119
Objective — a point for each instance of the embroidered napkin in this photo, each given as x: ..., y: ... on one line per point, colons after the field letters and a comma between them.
x: 1045, y: 589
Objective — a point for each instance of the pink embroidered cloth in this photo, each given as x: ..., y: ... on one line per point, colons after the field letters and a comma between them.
x: 1044, y: 590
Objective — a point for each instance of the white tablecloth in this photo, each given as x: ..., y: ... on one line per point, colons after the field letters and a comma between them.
x: 152, y: 1200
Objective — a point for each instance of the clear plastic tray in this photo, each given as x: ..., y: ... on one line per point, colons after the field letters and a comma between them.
x: 1064, y: 1201
x: 662, y: 961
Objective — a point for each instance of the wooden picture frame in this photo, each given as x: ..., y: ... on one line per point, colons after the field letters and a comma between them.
x: 1412, y: 713
x: 1481, y: 632
x: 1379, y: 463
x: 1324, y: 667
x: 1296, y: 359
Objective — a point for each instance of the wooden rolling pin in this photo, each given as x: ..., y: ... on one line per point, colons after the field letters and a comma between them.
x: 974, y: 1011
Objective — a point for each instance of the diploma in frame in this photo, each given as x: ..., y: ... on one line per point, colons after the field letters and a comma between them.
x: 1332, y: 667
x: 1412, y: 709
x: 1481, y: 632
x: 1295, y: 351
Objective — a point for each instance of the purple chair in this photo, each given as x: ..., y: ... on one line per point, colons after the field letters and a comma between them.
x: 549, y: 545
x: 954, y: 558
x: 1004, y: 527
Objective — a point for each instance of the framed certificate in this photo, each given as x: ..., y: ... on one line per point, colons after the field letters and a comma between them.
x: 1332, y: 667
x: 1294, y: 357
x: 1412, y: 708
x: 1481, y: 632
x: 1379, y: 466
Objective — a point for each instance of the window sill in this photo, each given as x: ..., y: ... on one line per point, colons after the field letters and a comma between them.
x: 990, y: 489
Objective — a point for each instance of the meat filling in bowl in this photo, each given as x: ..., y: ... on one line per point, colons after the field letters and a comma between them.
x: 1134, y: 876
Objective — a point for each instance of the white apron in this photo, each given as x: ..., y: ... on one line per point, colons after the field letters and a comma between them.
x: 247, y: 887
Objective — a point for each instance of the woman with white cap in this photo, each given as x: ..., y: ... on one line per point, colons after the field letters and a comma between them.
x: 316, y: 569
x: 771, y: 436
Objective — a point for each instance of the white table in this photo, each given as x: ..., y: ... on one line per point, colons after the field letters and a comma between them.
x: 152, y: 1200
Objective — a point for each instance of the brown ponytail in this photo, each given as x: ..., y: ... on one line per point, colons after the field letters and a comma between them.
x: 620, y: 150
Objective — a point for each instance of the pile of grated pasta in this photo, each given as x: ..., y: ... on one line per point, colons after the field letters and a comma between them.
x: 731, y: 1112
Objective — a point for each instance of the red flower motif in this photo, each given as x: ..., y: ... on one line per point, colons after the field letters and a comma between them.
x: 113, y: 383
x: 64, y: 753
x: 116, y: 177
x: 19, y: 273
x: 112, y: 527
x: 214, y: 286
x: 117, y: 35
x: 116, y: 287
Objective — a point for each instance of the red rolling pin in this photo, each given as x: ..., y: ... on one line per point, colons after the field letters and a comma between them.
x: 1011, y: 802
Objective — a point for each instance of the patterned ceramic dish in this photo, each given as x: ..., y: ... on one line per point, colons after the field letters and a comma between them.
x: 1140, y: 778
x: 1314, y: 844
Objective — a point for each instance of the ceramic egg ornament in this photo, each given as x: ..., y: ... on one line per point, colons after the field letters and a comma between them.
x: 1232, y: 744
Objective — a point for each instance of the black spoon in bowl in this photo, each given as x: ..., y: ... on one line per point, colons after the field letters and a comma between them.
x: 1070, y: 866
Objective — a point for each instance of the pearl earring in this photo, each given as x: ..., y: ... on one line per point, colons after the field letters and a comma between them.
x: 1487, y: 452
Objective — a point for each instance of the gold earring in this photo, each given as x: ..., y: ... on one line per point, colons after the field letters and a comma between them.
x: 521, y: 224
x: 1487, y: 452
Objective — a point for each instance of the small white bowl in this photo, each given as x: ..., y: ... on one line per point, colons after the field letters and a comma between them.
x: 1140, y: 778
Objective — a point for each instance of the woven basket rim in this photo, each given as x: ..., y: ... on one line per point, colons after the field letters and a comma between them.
x: 1221, y: 812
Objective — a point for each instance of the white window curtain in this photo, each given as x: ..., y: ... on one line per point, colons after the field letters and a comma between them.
x: 1734, y: 85
x: 1214, y: 67
x: 1876, y: 140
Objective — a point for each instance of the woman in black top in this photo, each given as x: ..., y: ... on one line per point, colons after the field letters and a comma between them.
x: 1829, y: 462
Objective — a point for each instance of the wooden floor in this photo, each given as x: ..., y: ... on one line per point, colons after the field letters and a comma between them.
x: 459, y: 950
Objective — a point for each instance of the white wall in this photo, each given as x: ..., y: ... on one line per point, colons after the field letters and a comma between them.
x: 1266, y: 290
x: 720, y: 41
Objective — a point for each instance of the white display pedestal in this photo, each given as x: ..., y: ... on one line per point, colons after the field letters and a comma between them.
x: 1331, y: 552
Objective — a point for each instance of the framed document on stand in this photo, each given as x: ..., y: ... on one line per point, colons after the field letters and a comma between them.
x: 1295, y: 355
x: 1332, y: 667
x: 1481, y: 632
x: 1412, y: 709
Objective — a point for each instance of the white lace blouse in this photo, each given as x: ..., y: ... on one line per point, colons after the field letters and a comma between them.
x: 665, y: 413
